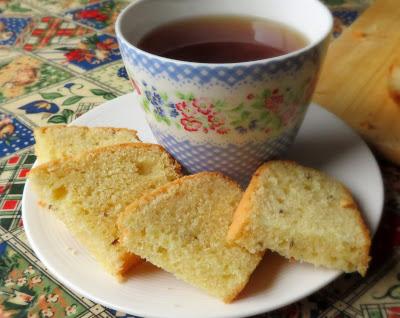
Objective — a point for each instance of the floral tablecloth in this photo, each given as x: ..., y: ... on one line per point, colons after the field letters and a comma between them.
x: 58, y: 60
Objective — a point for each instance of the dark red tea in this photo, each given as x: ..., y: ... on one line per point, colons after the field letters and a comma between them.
x: 222, y: 39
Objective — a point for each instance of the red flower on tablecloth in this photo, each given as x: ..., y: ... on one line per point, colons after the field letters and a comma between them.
x: 190, y: 124
x: 93, y: 51
x: 78, y: 55
x: 393, y: 312
x: 93, y: 14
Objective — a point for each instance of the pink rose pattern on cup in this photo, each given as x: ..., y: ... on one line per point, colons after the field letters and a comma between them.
x: 266, y: 111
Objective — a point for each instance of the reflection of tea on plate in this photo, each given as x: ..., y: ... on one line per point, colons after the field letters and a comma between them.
x: 222, y: 39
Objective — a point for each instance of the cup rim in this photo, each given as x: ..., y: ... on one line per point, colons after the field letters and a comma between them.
x: 310, y: 46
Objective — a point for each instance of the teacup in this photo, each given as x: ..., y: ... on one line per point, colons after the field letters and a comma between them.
x: 225, y: 117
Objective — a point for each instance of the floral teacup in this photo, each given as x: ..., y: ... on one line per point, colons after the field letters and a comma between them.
x: 225, y: 117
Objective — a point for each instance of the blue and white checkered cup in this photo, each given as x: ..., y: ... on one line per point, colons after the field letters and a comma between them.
x: 225, y: 117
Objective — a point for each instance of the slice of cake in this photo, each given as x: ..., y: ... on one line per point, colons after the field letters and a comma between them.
x: 89, y: 191
x: 302, y: 214
x: 181, y: 227
x: 56, y: 142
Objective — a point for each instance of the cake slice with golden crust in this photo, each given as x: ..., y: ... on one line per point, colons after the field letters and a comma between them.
x: 302, y: 214
x: 89, y: 191
x: 57, y: 142
x: 181, y: 227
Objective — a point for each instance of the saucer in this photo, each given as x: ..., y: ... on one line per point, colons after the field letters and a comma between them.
x: 324, y: 142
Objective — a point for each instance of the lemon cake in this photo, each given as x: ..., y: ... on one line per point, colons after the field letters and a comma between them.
x: 56, y: 142
x: 182, y: 226
x: 89, y: 191
x: 302, y: 214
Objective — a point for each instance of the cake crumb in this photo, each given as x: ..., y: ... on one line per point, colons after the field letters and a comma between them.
x: 72, y: 251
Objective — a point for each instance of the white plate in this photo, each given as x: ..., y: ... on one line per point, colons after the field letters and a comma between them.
x: 324, y: 142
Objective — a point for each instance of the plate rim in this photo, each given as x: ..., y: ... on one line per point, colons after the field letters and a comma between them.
x: 77, y: 289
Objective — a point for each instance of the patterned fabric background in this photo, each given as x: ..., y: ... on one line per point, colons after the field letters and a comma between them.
x: 58, y: 60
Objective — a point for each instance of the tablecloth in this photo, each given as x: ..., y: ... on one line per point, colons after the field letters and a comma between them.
x: 60, y: 59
